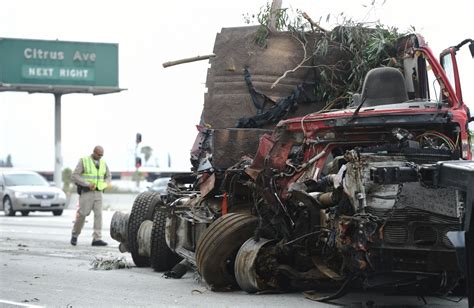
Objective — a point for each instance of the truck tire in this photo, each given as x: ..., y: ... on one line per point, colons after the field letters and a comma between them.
x: 218, y: 246
x: 162, y: 257
x: 142, y: 209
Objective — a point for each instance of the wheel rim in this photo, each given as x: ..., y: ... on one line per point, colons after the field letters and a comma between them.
x: 245, y: 265
x: 7, y: 207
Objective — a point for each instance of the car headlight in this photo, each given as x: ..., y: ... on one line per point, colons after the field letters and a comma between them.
x: 21, y: 195
x: 61, y: 195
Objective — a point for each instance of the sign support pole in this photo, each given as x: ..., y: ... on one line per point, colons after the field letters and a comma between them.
x: 58, y: 161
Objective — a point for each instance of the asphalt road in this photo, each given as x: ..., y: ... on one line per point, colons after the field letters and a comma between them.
x: 38, y: 267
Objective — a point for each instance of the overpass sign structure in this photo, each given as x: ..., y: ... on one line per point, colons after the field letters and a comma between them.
x: 58, y: 67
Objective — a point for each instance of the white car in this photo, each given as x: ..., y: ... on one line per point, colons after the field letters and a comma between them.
x: 28, y: 191
x: 160, y: 185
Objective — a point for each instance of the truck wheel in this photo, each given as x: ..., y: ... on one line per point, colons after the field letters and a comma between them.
x: 162, y: 258
x: 142, y: 209
x: 218, y: 246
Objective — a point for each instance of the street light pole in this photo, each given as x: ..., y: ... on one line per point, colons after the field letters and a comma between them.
x: 138, y: 160
x: 58, y: 160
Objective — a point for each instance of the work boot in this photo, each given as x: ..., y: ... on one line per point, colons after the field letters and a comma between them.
x: 99, y: 243
x: 73, y: 240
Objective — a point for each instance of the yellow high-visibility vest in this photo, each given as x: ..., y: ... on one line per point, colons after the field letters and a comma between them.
x: 93, y: 175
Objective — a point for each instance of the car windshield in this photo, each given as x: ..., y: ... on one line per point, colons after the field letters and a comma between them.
x: 25, y: 179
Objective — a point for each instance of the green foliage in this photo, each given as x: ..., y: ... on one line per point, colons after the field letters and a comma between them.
x: 285, y: 20
x: 7, y: 162
x: 67, y: 183
x: 355, y: 48
x: 364, y: 48
x: 138, y: 176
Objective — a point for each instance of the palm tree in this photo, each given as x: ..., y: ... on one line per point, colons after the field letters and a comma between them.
x: 147, y: 151
x: 8, y: 162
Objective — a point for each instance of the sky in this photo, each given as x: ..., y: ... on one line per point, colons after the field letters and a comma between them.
x: 164, y: 105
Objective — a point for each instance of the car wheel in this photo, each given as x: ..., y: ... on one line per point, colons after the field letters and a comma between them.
x: 8, y: 207
x: 218, y: 246
x: 25, y: 213
x: 162, y: 258
x: 143, y: 209
x: 57, y: 212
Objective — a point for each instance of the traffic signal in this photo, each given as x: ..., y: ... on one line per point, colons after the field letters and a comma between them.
x: 139, y: 138
x: 138, y: 162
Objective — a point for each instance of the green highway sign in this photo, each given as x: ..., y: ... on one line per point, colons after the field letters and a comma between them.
x: 58, y: 63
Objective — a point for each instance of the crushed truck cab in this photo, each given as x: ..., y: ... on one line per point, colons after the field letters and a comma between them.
x: 332, y: 199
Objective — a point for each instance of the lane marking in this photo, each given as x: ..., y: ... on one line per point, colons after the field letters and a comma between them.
x: 63, y: 255
x: 19, y: 304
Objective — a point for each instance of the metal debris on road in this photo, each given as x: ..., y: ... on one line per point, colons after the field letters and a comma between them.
x: 109, y: 263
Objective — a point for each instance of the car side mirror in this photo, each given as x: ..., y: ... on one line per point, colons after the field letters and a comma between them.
x: 471, y: 48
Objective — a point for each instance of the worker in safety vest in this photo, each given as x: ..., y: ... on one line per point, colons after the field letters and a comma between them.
x: 91, y: 176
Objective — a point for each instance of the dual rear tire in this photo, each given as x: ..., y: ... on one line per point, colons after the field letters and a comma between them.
x: 143, y: 209
x: 162, y: 258
x: 149, y: 206
x: 215, y: 251
x: 218, y: 246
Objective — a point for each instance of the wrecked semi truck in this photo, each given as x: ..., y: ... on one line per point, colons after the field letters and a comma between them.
x: 239, y: 68
x: 331, y: 199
